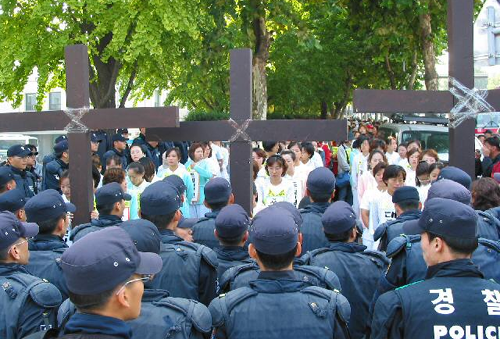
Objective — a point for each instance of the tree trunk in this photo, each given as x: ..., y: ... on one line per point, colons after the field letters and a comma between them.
x: 390, y: 72
x: 414, y: 69
x: 324, y: 109
x: 260, y: 59
x: 425, y: 28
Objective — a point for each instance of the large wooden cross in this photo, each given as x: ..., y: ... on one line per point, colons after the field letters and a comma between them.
x: 461, y: 67
x: 241, y: 129
x: 77, y: 91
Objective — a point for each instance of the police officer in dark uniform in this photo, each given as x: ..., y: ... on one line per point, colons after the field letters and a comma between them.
x: 56, y: 167
x: 408, y: 265
x: 7, y: 180
x: 277, y: 305
x: 231, y: 228
x: 94, y: 144
x: 119, y: 147
x: 154, y: 149
x: 189, y: 270
x: 50, y: 212
x: 14, y: 201
x: 105, y: 274
x: 29, y: 304
x: 320, y: 188
x: 50, y: 157
x: 457, y: 175
x: 161, y: 316
x: 218, y: 194
x: 240, y: 276
x: 110, y: 203
x: 454, y: 300
x: 407, y: 205
x: 358, y: 269
x: 17, y: 159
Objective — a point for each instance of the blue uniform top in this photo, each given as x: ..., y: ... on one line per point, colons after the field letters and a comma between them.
x: 53, y: 171
x: 230, y: 256
x: 454, y: 301
x: 94, y: 225
x: 25, y: 181
x: 203, y: 230
x: 112, y: 152
x: 86, y: 323
x: 393, y: 228
x: 312, y: 228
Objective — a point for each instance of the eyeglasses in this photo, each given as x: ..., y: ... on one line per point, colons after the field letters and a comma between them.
x: 19, y: 243
x: 144, y: 279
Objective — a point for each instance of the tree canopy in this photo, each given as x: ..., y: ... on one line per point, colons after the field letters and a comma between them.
x: 309, y: 56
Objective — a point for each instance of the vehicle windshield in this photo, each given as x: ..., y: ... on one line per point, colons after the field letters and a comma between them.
x: 486, y: 120
x: 438, y: 141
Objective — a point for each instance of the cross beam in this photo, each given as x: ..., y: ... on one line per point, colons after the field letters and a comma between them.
x: 461, y: 67
x: 241, y: 113
x: 77, y: 90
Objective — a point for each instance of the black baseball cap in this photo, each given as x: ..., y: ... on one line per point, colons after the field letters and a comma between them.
x: 11, y: 229
x: 12, y: 200
x: 339, y: 217
x: 217, y: 190
x: 6, y: 175
x: 160, y: 198
x: 232, y: 221
x: 18, y: 151
x: 110, y: 193
x: 321, y: 181
x: 119, y: 137
x: 47, y: 205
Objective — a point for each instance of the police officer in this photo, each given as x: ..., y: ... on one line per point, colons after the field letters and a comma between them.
x: 29, y: 304
x: 17, y: 160
x: 110, y: 203
x: 7, y: 180
x: 33, y: 166
x: 358, y: 269
x: 119, y: 147
x: 231, y: 228
x: 408, y: 265
x: 105, y: 274
x: 407, y: 206
x: 276, y: 305
x: 240, y: 276
x: 94, y: 143
x: 218, y: 194
x: 14, y: 201
x: 189, y: 270
x: 56, y: 167
x: 454, y: 300
x: 320, y: 188
x: 50, y: 212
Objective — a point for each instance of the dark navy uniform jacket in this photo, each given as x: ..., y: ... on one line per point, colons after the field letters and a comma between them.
x: 189, y: 269
x: 25, y: 181
x: 112, y: 152
x: 408, y: 263
x: 453, y: 301
x: 29, y: 304
x: 278, y: 306
x: 203, y: 230
x: 45, y: 256
x: 94, y: 225
x: 312, y: 228
x: 230, y: 256
x: 81, y: 324
x: 488, y: 225
x: 393, y: 228
x: 53, y: 171
x: 359, y: 271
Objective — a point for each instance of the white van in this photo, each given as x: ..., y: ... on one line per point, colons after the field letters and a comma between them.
x: 7, y: 140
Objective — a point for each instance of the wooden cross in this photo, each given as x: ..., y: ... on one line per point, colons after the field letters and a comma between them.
x: 240, y: 129
x: 461, y: 67
x: 77, y: 91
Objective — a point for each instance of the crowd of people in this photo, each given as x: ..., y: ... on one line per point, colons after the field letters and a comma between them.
x: 367, y: 238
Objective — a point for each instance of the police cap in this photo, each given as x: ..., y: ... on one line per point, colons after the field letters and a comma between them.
x: 177, y: 182
x: 339, y: 217
x: 405, y: 193
x: 448, y: 189
x: 273, y: 231
x: 217, y: 190
x: 12, y: 201
x: 445, y: 217
x: 11, y: 229
x: 110, y: 193
x: 321, y: 181
x: 144, y: 234
x: 291, y: 209
x: 457, y: 175
x: 231, y: 222
x: 6, y: 175
x: 18, y: 151
x: 47, y: 205
x: 160, y: 198
x: 90, y: 272
x: 119, y: 137
x: 187, y: 222
x: 61, y: 146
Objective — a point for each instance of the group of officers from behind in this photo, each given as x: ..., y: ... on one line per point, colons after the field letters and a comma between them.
x: 142, y: 279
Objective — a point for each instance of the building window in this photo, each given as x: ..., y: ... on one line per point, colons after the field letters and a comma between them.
x: 30, y: 101
x: 157, y: 98
x: 55, y: 101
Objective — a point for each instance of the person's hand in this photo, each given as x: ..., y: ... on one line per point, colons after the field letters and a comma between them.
x: 94, y: 215
x: 192, y: 165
